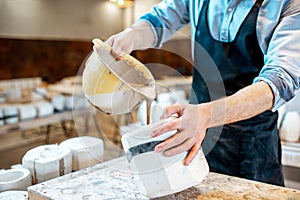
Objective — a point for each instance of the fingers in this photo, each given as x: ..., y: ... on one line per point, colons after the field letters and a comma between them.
x: 121, y: 42
x: 188, y: 145
x: 171, y: 125
x: 192, y: 153
x: 177, y: 139
x: 179, y: 143
x: 185, y: 146
x: 110, y: 41
x: 116, y: 50
x: 191, y: 131
x: 117, y: 47
x: 172, y: 109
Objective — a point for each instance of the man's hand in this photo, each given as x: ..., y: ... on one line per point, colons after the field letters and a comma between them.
x: 193, y: 120
x: 138, y: 36
x: 122, y: 42
x: 191, y: 124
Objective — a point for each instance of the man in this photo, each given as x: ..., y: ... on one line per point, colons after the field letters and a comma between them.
x: 254, y: 45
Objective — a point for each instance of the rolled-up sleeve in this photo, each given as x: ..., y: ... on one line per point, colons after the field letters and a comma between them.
x: 166, y: 18
x: 282, y: 60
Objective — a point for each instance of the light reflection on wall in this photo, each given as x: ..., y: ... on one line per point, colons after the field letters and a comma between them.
x: 59, y: 19
x: 67, y: 19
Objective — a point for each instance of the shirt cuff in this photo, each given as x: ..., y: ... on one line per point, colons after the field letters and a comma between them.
x: 278, y: 101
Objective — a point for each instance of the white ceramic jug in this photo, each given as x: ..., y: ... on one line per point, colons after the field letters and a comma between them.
x: 115, y: 87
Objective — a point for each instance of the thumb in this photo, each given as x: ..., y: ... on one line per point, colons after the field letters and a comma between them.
x: 171, y: 110
x: 110, y: 41
x: 116, y: 47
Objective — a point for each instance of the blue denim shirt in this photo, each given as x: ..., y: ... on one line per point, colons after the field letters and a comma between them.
x: 278, y: 32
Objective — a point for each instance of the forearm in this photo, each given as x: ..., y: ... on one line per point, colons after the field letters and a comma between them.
x: 144, y: 33
x: 192, y: 123
x: 246, y: 103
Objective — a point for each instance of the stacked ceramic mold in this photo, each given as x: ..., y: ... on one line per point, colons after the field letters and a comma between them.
x: 50, y: 161
x: 25, y: 99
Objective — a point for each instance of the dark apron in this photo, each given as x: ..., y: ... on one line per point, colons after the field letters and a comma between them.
x: 251, y: 148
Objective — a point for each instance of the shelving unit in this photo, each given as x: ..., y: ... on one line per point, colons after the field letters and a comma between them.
x: 47, y: 121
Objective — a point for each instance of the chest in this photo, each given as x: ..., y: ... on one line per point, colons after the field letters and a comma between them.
x: 224, y: 18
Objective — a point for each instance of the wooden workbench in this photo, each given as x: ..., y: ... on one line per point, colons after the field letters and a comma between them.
x: 113, y: 180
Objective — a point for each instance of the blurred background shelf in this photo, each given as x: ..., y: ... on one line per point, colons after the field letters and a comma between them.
x: 43, y: 121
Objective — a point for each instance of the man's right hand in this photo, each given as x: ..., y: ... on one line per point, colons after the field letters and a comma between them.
x: 138, y: 36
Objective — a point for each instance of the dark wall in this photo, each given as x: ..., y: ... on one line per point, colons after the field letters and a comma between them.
x: 157, y: 59
x: 53, y: 60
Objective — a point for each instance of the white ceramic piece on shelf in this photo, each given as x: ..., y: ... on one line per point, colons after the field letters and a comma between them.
x: 281, y: 112
x: 27, y: 111
x: 36, y: 97
x: 38, y: 94
x: 68, y: 102
x: 13, y: 93
x: 294, y: 103
x: 41, y: 91
x: 116, y: 87
x: 290, y: 127
x: 86, y: 151
x: 66, y: 89
x: 29, y: 82
x: 21, y: 82
x: 290, y: 155
x: 156, y: 174
x: 44, y: 108
x: 11, y: 114
x: 129, y: 128
x: 15, y: 179
x: 47, y: 161
x: 1, y: 117
x: 72, y: 80
x: 17, y: 166
x: 156, y: 111
x: 58, y: 101
x: 2, y: 99
x: 165, y: 98
x: 142, y: 113
x: 157, y: 107
x: 179, y: 95
x: 174, y: 96
x: 79, y: 102
x: 14, y: 195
